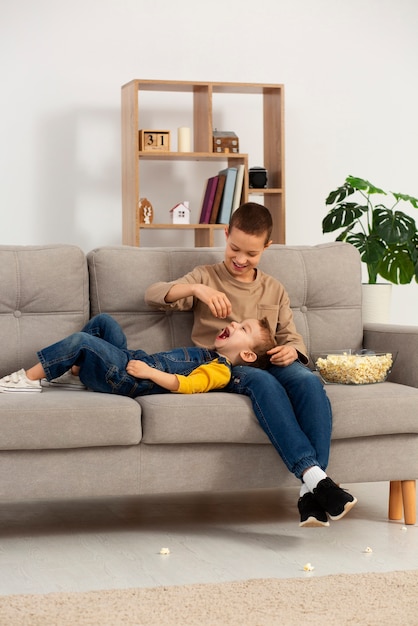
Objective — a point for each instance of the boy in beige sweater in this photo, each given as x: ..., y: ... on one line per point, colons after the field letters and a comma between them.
x: 288, y: 399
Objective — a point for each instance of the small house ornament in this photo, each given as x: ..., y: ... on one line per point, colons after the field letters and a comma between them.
x: 180, y: 213
x: 225, y: 141
x: 145, y: 211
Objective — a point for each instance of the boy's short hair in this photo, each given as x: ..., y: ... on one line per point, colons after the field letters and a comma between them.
x: 253, y: 219
x: 267, y: 342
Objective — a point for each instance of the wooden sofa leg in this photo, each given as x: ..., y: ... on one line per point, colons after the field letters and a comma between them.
x: 395, y: 500
x: 409, y: 501
x: 402, y: 500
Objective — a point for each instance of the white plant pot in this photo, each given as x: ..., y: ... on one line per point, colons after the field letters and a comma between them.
x: 376, y: 302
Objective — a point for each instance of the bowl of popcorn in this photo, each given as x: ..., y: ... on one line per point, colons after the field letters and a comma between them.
x: 350, y: 367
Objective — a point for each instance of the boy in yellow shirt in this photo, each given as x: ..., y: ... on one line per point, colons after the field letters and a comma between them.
x: 288, y: 399
x: 99, y: 356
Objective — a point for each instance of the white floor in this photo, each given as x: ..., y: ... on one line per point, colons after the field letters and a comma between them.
x: 81, y: 546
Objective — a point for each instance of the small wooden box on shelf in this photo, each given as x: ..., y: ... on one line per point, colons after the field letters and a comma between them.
x: 135, y: 151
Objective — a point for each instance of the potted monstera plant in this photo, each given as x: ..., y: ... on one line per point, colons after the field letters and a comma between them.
x: 371, y: 220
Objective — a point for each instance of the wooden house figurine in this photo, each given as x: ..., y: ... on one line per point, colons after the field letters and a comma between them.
x: 180, y: 213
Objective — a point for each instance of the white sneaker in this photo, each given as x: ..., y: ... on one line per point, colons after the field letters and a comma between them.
x: 19, y: 382
x: 65, y: 381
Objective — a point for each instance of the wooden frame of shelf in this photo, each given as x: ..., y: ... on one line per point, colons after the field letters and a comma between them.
x: 203, y: 233
x: 273, y: 150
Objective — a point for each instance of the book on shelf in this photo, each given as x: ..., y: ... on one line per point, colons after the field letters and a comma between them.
x: 228, y: 195
x: 208, y: 199
x: 238, y: 188
x: 218, y: 198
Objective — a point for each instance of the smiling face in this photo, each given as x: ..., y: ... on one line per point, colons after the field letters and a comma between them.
x: 243, y: 252
x: 239, y: 340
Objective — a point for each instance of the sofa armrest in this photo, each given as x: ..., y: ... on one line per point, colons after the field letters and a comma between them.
x: 400, y: 339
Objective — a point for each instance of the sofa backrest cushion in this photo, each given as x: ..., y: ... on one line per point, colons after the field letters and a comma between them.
x: 44, y: 297
x: 323, y: 282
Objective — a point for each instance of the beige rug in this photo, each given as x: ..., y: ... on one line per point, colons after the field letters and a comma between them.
x: 353, y: 599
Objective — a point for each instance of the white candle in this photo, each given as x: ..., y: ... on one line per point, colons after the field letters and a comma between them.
x: 183, y: 139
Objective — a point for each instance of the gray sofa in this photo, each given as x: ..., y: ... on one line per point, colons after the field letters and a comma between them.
x: 66, y: 444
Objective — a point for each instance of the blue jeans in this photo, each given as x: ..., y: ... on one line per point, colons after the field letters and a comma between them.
x: 100, y: 349
x: 292, y: 408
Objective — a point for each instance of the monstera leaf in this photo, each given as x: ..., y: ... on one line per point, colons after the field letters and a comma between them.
x: 387, y: 239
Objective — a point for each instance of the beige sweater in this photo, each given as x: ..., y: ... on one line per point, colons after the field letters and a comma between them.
x: 263, y: 297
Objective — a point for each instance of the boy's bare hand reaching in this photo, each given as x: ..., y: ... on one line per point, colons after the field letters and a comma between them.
x: 217, y: 301
x: 283, y: 355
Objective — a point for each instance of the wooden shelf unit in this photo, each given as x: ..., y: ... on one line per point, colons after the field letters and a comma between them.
x: 273, y: 151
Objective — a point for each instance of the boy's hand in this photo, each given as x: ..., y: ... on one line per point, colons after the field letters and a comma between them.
x: 217, y: 301
x: 139, y: 369
x: 283, y: 355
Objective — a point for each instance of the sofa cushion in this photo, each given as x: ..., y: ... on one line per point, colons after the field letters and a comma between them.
x: 57, y: 418
x: 324, y: 285
x: 44, y: 297
x: 119, y: 276
x: 368, y: 410
x: 219, y: 417
x: 215, y: 417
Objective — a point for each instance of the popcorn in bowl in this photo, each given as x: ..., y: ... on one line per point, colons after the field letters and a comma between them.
x: 348, y: 367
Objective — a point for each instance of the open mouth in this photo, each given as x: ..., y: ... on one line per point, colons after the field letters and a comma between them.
x: 224, y: 334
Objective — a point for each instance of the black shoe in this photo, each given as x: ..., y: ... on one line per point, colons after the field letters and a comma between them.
x: 311, y: 513
x: 336, y: 501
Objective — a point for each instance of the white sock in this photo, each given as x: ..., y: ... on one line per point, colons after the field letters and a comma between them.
x: 313, y: 476
x: 303, y: 490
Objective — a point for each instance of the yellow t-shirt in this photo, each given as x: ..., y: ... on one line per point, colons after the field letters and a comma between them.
x: 212, y: 375
x: 263, y: 297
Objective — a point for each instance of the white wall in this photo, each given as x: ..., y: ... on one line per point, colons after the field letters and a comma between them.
x: 349, y: 68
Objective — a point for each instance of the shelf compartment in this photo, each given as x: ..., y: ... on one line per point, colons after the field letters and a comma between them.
x: 203, y: 233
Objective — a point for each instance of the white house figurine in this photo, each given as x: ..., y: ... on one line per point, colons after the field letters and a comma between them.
x: 180, y: 213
